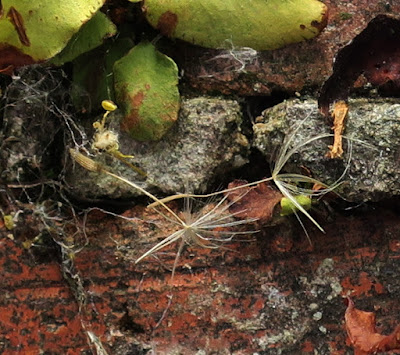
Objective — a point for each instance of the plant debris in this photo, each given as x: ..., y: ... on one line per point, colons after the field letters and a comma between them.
x: 361, y: 329
x: 339, y: 114
x: 258, y: 202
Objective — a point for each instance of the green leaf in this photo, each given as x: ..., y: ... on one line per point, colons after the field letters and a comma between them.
x: 259, y: 24
x: 146, y: 88
x: 33, y: 31
x: 90, y: 36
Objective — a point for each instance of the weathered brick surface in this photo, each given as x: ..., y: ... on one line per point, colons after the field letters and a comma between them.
x: 37, y: 311
x: 273, y: 292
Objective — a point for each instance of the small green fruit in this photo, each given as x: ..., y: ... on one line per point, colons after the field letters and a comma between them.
x: 288, y: 207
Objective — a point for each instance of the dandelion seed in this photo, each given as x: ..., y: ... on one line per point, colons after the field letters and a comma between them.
x: 207, y: 228
x: 288, y: 184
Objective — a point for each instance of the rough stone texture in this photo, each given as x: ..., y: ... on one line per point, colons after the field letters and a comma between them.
x: 373, y: 171
x: 206, y: 141
x: 272, y: 294
x: 297, y: 67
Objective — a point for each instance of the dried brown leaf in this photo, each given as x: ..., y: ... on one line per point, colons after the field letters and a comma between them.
x: 253, y: 201
x: 361, y: 329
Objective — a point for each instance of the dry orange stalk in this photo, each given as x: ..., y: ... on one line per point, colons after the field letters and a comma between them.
x: 339, y: 114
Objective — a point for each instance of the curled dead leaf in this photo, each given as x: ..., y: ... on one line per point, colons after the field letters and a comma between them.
x: 361, y: 330
x: 257, y: 202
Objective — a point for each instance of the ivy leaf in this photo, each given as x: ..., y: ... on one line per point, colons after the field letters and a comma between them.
x: 146, y: 88
x: 259, y: 24
x: 33, y: 31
